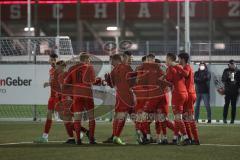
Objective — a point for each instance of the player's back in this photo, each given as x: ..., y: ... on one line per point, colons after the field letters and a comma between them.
x: 190, y: 79
x: 52, y: 81
x: 122, y: 83
x: 148, y: 79
x: 176, y: 79
x: 81, y: 77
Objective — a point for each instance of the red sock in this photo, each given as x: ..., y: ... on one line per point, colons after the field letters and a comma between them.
x: 48, y: 125
x: 92, y: 125
x: 77, y: 127
x: 163, y: 126
x: 69, y: 128
x: 84, y: 129
x: 157, y: 127
x: 176, y: 128
x: 119, y: 127
x: 138, y: 125
x: 188, y: 129
x: 114, y: 127
x: 194, y: 130
x: 145, y: 127
x: 181, y: 127
x: 169, y: 125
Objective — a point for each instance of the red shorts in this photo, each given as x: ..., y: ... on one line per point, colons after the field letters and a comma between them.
x: 149, y: 106
x: 178, y: 101
x: 163, y: 104
x: 52, y: 102
x: 81, y: 104
x: 123, y: 106
x: 189, y: 106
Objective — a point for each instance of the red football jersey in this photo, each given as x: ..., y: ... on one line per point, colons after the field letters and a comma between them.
x: 177, y: 79
x: 121, y: 81
x: 148, y: 75
x: 188, y: 73
x: 81, y: 77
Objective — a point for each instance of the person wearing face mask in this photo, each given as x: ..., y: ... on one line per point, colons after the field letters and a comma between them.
x: 231, y: 81
x: 202, y: 79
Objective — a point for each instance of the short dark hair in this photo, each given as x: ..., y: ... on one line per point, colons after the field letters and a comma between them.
x: 53, y: 55
x: 61, y: 63
x: 231, y: 61
x: 144, y: 58
x: 150, y: 55
x: 184, y: 56
x: 128, y: 53
x: 172, y: 56
x: 157, y: 61
x: 84, y: 56
x: 116, y: 57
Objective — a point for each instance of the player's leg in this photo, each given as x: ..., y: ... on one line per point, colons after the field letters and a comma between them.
x: 48, y: 123
x: 191, y: 120
x: 119, y: 120
x: 178, y: 102
x: 77, y: 116
x: 91, y: 120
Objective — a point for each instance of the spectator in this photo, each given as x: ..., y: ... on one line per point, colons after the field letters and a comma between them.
x: 202, y: 79
x: 231, y: 81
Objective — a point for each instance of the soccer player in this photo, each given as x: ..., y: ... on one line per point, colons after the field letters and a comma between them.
x: 127, y: 60
x: 162, y: 122
x: 188, y: 108
x: 147, y: 96
x: 82, y: 77
x: 179, y: 97
x: 52, y: 99
x: 118, y: 78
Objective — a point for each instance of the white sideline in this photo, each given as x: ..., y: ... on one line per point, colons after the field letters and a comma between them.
x: 218, y: 145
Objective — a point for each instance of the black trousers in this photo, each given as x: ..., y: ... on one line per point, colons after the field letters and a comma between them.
x: 233, y: 100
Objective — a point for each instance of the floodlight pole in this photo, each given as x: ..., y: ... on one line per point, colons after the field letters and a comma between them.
x: 187, y: 27
x: 29, y: 26
x: 117, y: 24
x: 178, y: 27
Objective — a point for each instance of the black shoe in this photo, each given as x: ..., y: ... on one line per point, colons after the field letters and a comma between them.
x: 196, y: 120
x: 153, y: 140
x: 174, y: 142
x: 232, y: 122
x: 209, y: 121
x: 109, y: 140
x: 87, y: 134
x: 79, y: 142
x: 164, y: 142
x: 70, y: 141
x: 225, y: 121
x: 195, y: 142
x: 185, y: 142
x: 92, y: 141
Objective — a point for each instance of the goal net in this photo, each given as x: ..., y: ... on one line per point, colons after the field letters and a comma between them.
x: 33, y: 48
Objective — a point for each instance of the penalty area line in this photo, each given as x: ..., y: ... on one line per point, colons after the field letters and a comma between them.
x: 18, y: 143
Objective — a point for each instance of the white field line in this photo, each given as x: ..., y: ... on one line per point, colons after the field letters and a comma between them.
x: 18, y: 143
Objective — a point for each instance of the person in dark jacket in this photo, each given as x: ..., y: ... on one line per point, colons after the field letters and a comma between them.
x: 202, y: 79
x: 231, y: 80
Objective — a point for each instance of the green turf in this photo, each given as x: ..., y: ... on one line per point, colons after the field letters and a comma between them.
x: 26, y: 131
x: 26, y: 111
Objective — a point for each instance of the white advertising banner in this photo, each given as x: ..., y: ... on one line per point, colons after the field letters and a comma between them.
x: 23, y: 84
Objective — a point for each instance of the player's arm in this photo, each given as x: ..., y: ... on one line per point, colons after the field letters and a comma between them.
x: 46, y: 84
x: 183, y: 71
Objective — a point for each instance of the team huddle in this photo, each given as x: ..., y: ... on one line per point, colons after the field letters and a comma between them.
x: 141, y: 94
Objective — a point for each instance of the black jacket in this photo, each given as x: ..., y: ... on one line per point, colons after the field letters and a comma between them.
x: 202, y: 81
x: 231, y: 80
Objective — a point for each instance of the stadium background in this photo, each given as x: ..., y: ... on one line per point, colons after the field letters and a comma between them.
x: 149, y: 27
